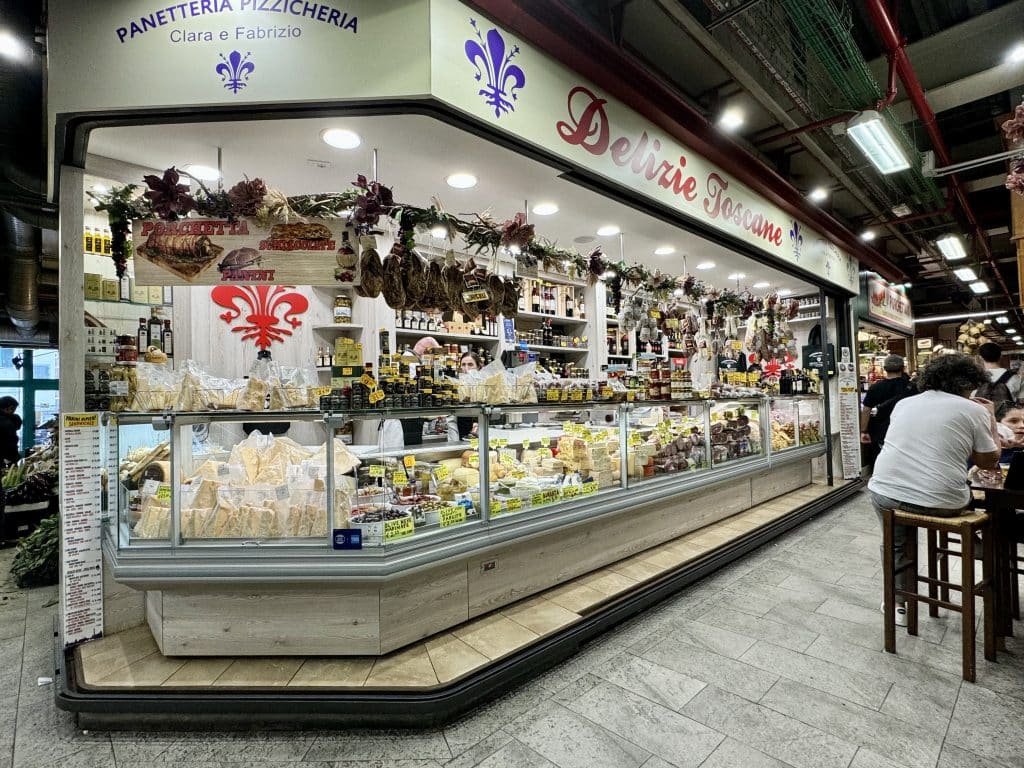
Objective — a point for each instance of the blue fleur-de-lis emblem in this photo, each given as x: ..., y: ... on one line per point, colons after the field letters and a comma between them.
x: 797, y: 238
x: 503, y: 77
x: 234, y: 70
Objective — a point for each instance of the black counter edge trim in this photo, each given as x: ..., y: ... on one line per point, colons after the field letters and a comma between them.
x: 411, y: 709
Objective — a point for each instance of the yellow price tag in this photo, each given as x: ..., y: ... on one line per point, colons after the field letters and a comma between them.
x: 589, y: 488
x: 377, y: 470
x: 514, y: 505
x: 570, y: 491
x: 474, y: 461
x: 507, y: 457
x: 368, y: 381
x: 545, y: 441
x: 553, y: 395
x: 655, y: 314
x: 497, y: 508
x: 576, y: 395
x: 553, y: 495
x: 606, y: 392
x: 163, y: 492
x: 526, y: 444
x: 537, y: 499
x: 453, y: 514
x: 376, y: 396
x: 409, y: 461
x: 346, y: 371
x: 398, y: 529
x: 399, y: 477
x: 442, y: 473
x: 501, y: 442
x: 635, y: 439
x: 568, y: 427
x: 319, y: 392
x: 474, y: 442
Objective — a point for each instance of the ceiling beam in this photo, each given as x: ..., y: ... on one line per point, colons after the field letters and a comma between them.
x: 989, y: 82
x: 989, y: 182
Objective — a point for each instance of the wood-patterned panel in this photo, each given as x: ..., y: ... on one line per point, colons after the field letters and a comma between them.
x: 421, y: 605
x: 779, y: 480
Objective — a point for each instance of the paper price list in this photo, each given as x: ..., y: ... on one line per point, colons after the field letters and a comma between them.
x: 82, y: 459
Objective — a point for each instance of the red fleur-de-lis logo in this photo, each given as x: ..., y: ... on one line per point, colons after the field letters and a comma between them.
x: 266, y: 313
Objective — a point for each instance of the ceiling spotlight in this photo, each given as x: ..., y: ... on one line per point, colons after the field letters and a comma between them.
x: 608, y: 230
x: 608, y: 275
x: 439, y: 232
x: 1016, y: 338
x: 340, y: 138
x: 1020, y: 343
x: 987, y: 321
x: 461, y: 180
x: 872, y: 136
x: 735, y: 276
x: 706, y: 265
x: 10, y: 46
x: 818, y: 195
x: 545, y: 209
x: 731, y: 119
x: 762, y: 284
x: 979, y: 287
x: 867, y: 235
x: 966, y: 274
x: 664, y: 250
x: 1003, y: 319
x: 100, y: 188
x: 951, y: 248
x: 907, y: 285
x: 1009, y: 331
x: 1016, y: 54
x: 202, y: 172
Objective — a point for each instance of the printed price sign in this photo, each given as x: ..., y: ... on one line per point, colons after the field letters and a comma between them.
x: 537, y: 499
x: 635, y: 439
x: 442, y: 472
x: 655, y: 314
x: 472, y: 297
x: 149, y: 487
x: 474, y: 461
x: 545, y: 441
x: 514, y: 505
x: 589, y: 488
x: 368, y: 381
x: 474, y: 442
x: 576, y: 395
x: 526, y: 444
x: 453, y: 514
x: 570, y: 491
x: 553, y: 494
x: 376, y: 396
x: 398, y: 529
x: 553, y: 395
x: 319, y: 392
x: 282, y: 492
x: 497, y: 508
x: 377, y: 470
x: 568, y: 427
x: 507, y: 457
x: 500, y: 442
x: 163, y: 493
x: 409, y: 461
x: 399, y: 477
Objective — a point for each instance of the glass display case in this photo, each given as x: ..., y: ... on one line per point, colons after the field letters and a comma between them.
x: 795, y: 422
x: 195, y: 481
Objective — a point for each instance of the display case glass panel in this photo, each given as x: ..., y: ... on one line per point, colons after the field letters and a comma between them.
x: 783, y: 423
x: 667, y: 439
x: 810, y: 411
x: 142, y: 508
x: 735, y: 430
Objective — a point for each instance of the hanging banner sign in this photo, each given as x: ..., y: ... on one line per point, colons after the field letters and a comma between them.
x: 888, y: 304
x: 849, y: 416
x: 216, y: 251
x: 81, y: 561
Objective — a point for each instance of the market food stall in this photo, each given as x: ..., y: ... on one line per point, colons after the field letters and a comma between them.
x: 274, y: 376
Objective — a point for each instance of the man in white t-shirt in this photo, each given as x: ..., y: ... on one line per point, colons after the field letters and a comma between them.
x: 922, y: 467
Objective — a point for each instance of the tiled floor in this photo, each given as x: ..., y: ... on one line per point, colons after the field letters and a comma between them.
x: 774, y: 661
x: 130, y: 659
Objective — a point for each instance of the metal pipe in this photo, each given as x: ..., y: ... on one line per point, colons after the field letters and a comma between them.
x: 893, y: 43
x: 842, y: 117
x: 890, y: 91
x: 20, y: 243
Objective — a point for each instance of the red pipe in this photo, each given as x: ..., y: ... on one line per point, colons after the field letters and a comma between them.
x: 842, y: 117
x: 560, y: 32
x: 893, y: 43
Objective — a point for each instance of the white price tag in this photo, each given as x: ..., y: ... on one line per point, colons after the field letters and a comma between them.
x: 149, y: 487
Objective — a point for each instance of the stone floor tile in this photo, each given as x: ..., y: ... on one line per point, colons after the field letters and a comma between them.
x: 485, y: 721
x: 827, y: 591
x: 380, y: 745
x: 652, y: 681
x: 722, y: 641
x: 570, y: 740
x: 914, y: 747
x: 866, y: 758
x: 657, y: 729
x: 712, y: 668
x: 96, y: 756
x: 479, y: 751
x: 787, y: 636
x: 954, y: 757
x: 735, y: 754
x: 515, y: 754
x: 988, y: 724
x: 775, y: 734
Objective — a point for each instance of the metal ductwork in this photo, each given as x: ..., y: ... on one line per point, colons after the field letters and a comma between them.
x: 21, y: 247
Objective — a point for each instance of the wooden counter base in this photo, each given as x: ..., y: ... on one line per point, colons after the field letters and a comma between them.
x: 354, y: 620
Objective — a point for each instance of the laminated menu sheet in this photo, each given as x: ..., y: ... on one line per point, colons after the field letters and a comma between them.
x: 81, y: 572
x: 849, y: 416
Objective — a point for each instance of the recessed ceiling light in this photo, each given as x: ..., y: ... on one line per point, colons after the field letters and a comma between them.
x: 965, y: 273
x: 202, y: 172
x: 867, y: 235
x: 818, y: 195
x: 439, y: 232
x: 1020, y: 343
x: 731, y: 119
x: 951, y: 248
x: 340, y: 138
x: 1009, y: 331
x: 1016, y: 338
x: 762, y: 284
x: 664, y: 250
x: 545, y: 209
x: 1016, y: 54
x: 10, y: 46
x: 608, y: 230
x: 461, y: 180
x: 785, y: 291
x: 1003, y: 319
x: 735, y: 276
x: 979, y: 287
x: 584, y: 239
x: 101, y: 188
x: 706, y: 265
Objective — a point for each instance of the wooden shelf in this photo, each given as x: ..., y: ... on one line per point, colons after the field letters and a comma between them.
x: 442, y: 336
x: 552, y: 318
x: 543, y: 348
x: 340, y: 327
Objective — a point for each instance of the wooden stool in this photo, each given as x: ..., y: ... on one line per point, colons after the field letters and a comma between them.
x: 965, y: 526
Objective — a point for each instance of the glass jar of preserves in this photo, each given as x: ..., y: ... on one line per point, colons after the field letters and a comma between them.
x: 342, y: 309
x: 127, y: 351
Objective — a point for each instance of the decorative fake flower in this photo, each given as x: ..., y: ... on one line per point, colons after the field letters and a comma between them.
x: 1013, y: 128
x: 247, y: 197
x: 375, y: 201
x: 168, y: 198
x: 1015, y: 179
x: 516, y: 232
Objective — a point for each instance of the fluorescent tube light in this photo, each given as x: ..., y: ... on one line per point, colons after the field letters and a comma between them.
x: 979, y: 287
x: 951, y: 248
x: 965, y: 273
x: 1002, y: 319
x: 872, y: 136
x: 963, y: 316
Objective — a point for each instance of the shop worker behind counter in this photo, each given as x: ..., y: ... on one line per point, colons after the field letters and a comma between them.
x: 932, y: 436
x: 1003, y: 385
x: 879, y: 402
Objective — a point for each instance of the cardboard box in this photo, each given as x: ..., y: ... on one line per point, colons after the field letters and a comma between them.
x: 93, y: 286
x: 140, y: 294
x: 111, y: 290
x: 156, y: 294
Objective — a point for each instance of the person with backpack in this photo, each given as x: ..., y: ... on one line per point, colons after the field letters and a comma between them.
x: 879, y: 401
x: 1003, y: 385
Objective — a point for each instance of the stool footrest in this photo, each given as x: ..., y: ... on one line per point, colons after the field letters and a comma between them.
x: 930, y: 600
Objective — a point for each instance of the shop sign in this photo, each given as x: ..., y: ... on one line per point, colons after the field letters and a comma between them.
x: 888, y: 303
x: 489, y: 73
x: 925, y: 343
x: 217, y: 252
